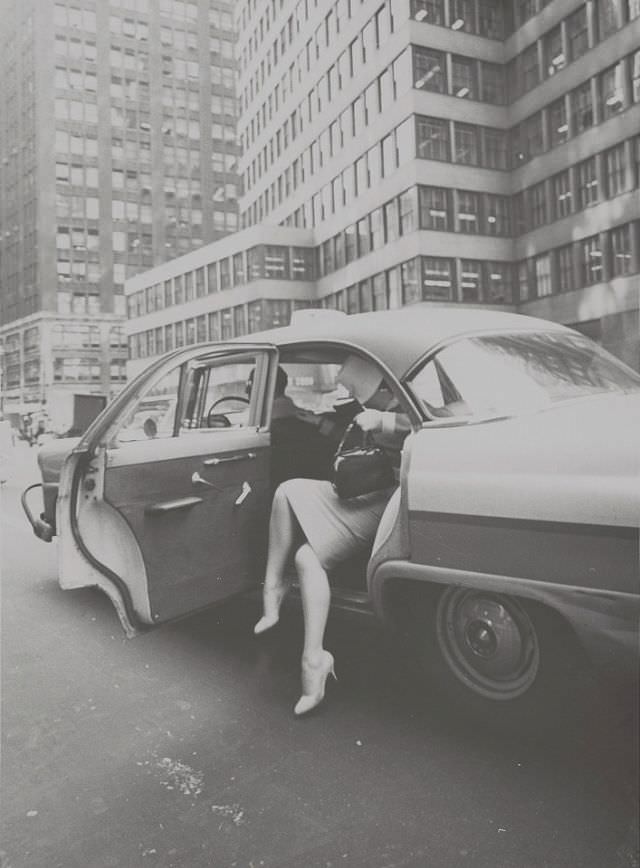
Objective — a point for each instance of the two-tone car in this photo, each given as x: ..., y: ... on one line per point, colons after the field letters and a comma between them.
x: 513, y: 534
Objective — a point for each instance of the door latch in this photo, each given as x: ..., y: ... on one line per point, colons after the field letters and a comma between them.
x: 244, y: 494
x: 196, y: 479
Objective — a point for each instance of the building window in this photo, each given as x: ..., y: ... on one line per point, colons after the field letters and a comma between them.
x: 471, y: 280
x: 615, y: 170
x: 634, y: 62
x: 411, y: 293
x: 523, y: 280
x: 538, y: 205
x: 379, y: 291
x: 377, y: 229
x: 532, y: 134
x: 408, y: 208
x: 462, y: 15
x: 577, y: 33
x: 302, y: 263
x: 276, y: 262
x: 610, y: 17
x: 561, y: 186
x: 582, y: 108
x: 466, y: 144
x: 435, y: 208
x: 468, y: 215
x: 634, y: 9
x: 364, y: 236
x: 498, y: 282
x: 429, y: 70
x: 350, y: 244
x: 558, y: 122
x: 490, y: 19
x: 554, y: 59
x: 564, y: 268
x: 496, y: 215
x: 430, y: 11
x: 587, y: 177
x: 529, y: 68
x: 543, y: 275
x: 590, y: 260
x: 493, y: 89
x: 437, y: 278
x: 611, y: 91
x: 620, y: 243
x: 392, y: 226
x: 495, y: 148
x: 432, y: 139
x: 463, y: 77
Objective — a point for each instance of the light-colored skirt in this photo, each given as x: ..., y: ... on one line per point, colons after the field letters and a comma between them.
x: 335, y: 529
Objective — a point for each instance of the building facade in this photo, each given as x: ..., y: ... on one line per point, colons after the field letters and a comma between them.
x: 447, y: 152
x: 118, y: 151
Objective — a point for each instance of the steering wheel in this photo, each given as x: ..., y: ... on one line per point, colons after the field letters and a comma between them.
x: 219, y: 420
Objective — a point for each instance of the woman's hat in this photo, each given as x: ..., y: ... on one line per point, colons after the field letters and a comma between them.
x: 360, y: 377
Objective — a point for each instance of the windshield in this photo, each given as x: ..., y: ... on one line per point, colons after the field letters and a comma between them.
x: 507, y: 374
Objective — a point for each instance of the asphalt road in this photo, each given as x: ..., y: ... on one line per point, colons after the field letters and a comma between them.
x: 179, y: 748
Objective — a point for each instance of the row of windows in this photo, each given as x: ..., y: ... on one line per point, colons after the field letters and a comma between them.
x: 427, y: 278
x: 81, y: 370
x: 271, y: 262
x: 215, y: 326
x: 358, y: 52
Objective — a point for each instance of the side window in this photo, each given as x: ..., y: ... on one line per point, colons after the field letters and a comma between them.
x: 153, y: 415
x: 220, y: 396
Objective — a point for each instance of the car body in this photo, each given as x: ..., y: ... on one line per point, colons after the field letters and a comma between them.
x: 518, y: 487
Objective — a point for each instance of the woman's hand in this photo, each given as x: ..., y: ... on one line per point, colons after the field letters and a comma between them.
x: 369, y: 420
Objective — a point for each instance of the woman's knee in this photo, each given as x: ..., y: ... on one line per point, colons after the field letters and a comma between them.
x: 306, y: 560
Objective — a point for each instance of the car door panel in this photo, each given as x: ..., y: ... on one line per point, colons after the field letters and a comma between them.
x: 197, y: 543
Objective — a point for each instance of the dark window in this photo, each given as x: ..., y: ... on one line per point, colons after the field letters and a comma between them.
x: 495, y: 148
x: 466, y: 144
x: 410, y: 282
x: 611, y: 91
x: 468, y: 212
x: 620, y: 241
x: 582, y: 108
x: 496, y: 215
x: 558, y: 123
x: 538, y: 205
x: 587, y: 178
x: 533, y: 139
x: 464, y: 78
x: 462, y: 15
x: 490, y: 19
x: 429, y: 71
x: 435, y: 208
x: 554, y: 59
x: 364, y: 236
x: 408, y: 208
x: 437, y: 278
x: 590, y: 260
x: 430, y: 11
x: 615, y: 170
x: 493, y: 83
x: 610, y: 17
x: 564, y: 268
x: 577, y: 33
x: 561, y: 186
x: 529, y: 68
x: 498, y: 282
x: 471, y: 280
x: 432, y: 139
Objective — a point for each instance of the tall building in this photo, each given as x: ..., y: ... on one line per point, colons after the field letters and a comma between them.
x: 439, y: 151
x: 118, y: 151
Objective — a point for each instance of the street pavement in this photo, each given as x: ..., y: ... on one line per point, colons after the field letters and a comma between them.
x: 179, y: 747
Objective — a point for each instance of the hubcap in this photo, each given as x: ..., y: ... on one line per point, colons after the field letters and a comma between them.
x: 488, y: 641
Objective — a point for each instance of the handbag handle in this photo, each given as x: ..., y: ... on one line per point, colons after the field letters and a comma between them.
x: 365, y: 439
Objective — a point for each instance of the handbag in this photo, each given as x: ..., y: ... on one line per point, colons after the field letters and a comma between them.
x: 362, y: 468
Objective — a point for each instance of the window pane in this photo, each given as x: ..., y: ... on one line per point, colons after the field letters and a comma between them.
x: 429, y: 70
x: 432, y: 139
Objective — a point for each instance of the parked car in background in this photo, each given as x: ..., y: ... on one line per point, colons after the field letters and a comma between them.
x: 512, y: 538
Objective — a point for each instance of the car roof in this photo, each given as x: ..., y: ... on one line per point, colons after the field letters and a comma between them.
x: 399, y: 338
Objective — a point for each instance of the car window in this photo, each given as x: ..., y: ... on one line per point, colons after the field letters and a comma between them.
x: 153, y: 415
x: 220, y: 396
x: 515, y: 373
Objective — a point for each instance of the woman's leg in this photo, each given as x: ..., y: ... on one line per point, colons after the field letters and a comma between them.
x: 284, y: 533
x: 316, y: 597
x: 317, y: 663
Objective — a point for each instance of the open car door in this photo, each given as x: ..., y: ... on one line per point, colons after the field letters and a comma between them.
x: 165, y: 502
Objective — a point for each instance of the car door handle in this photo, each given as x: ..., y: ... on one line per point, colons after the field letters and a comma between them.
x: 244, y: 494
x: 196, y: 479
x: 244, y: 456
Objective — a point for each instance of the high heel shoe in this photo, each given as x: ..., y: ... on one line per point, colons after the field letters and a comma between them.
x: 272, y: 600
x: 314, y: 680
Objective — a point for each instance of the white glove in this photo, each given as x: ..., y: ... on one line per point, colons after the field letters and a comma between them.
x: 369, y: 420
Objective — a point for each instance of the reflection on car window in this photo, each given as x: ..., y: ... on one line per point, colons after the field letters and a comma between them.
x: 153, y: 415
x: 313, y: 386
x: 515, y: 373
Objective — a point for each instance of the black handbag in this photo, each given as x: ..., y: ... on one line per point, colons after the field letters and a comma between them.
x: 360, y: 469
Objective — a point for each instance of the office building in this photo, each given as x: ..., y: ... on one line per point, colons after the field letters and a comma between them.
x: 118, y: 151
x: 438, y: 151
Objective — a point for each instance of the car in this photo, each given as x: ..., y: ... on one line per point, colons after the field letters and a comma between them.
x: 511, y: 538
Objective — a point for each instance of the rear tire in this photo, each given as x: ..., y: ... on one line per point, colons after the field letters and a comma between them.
x: 500, y: 659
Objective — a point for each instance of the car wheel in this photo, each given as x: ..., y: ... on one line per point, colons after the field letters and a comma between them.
x: 488, y: 642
